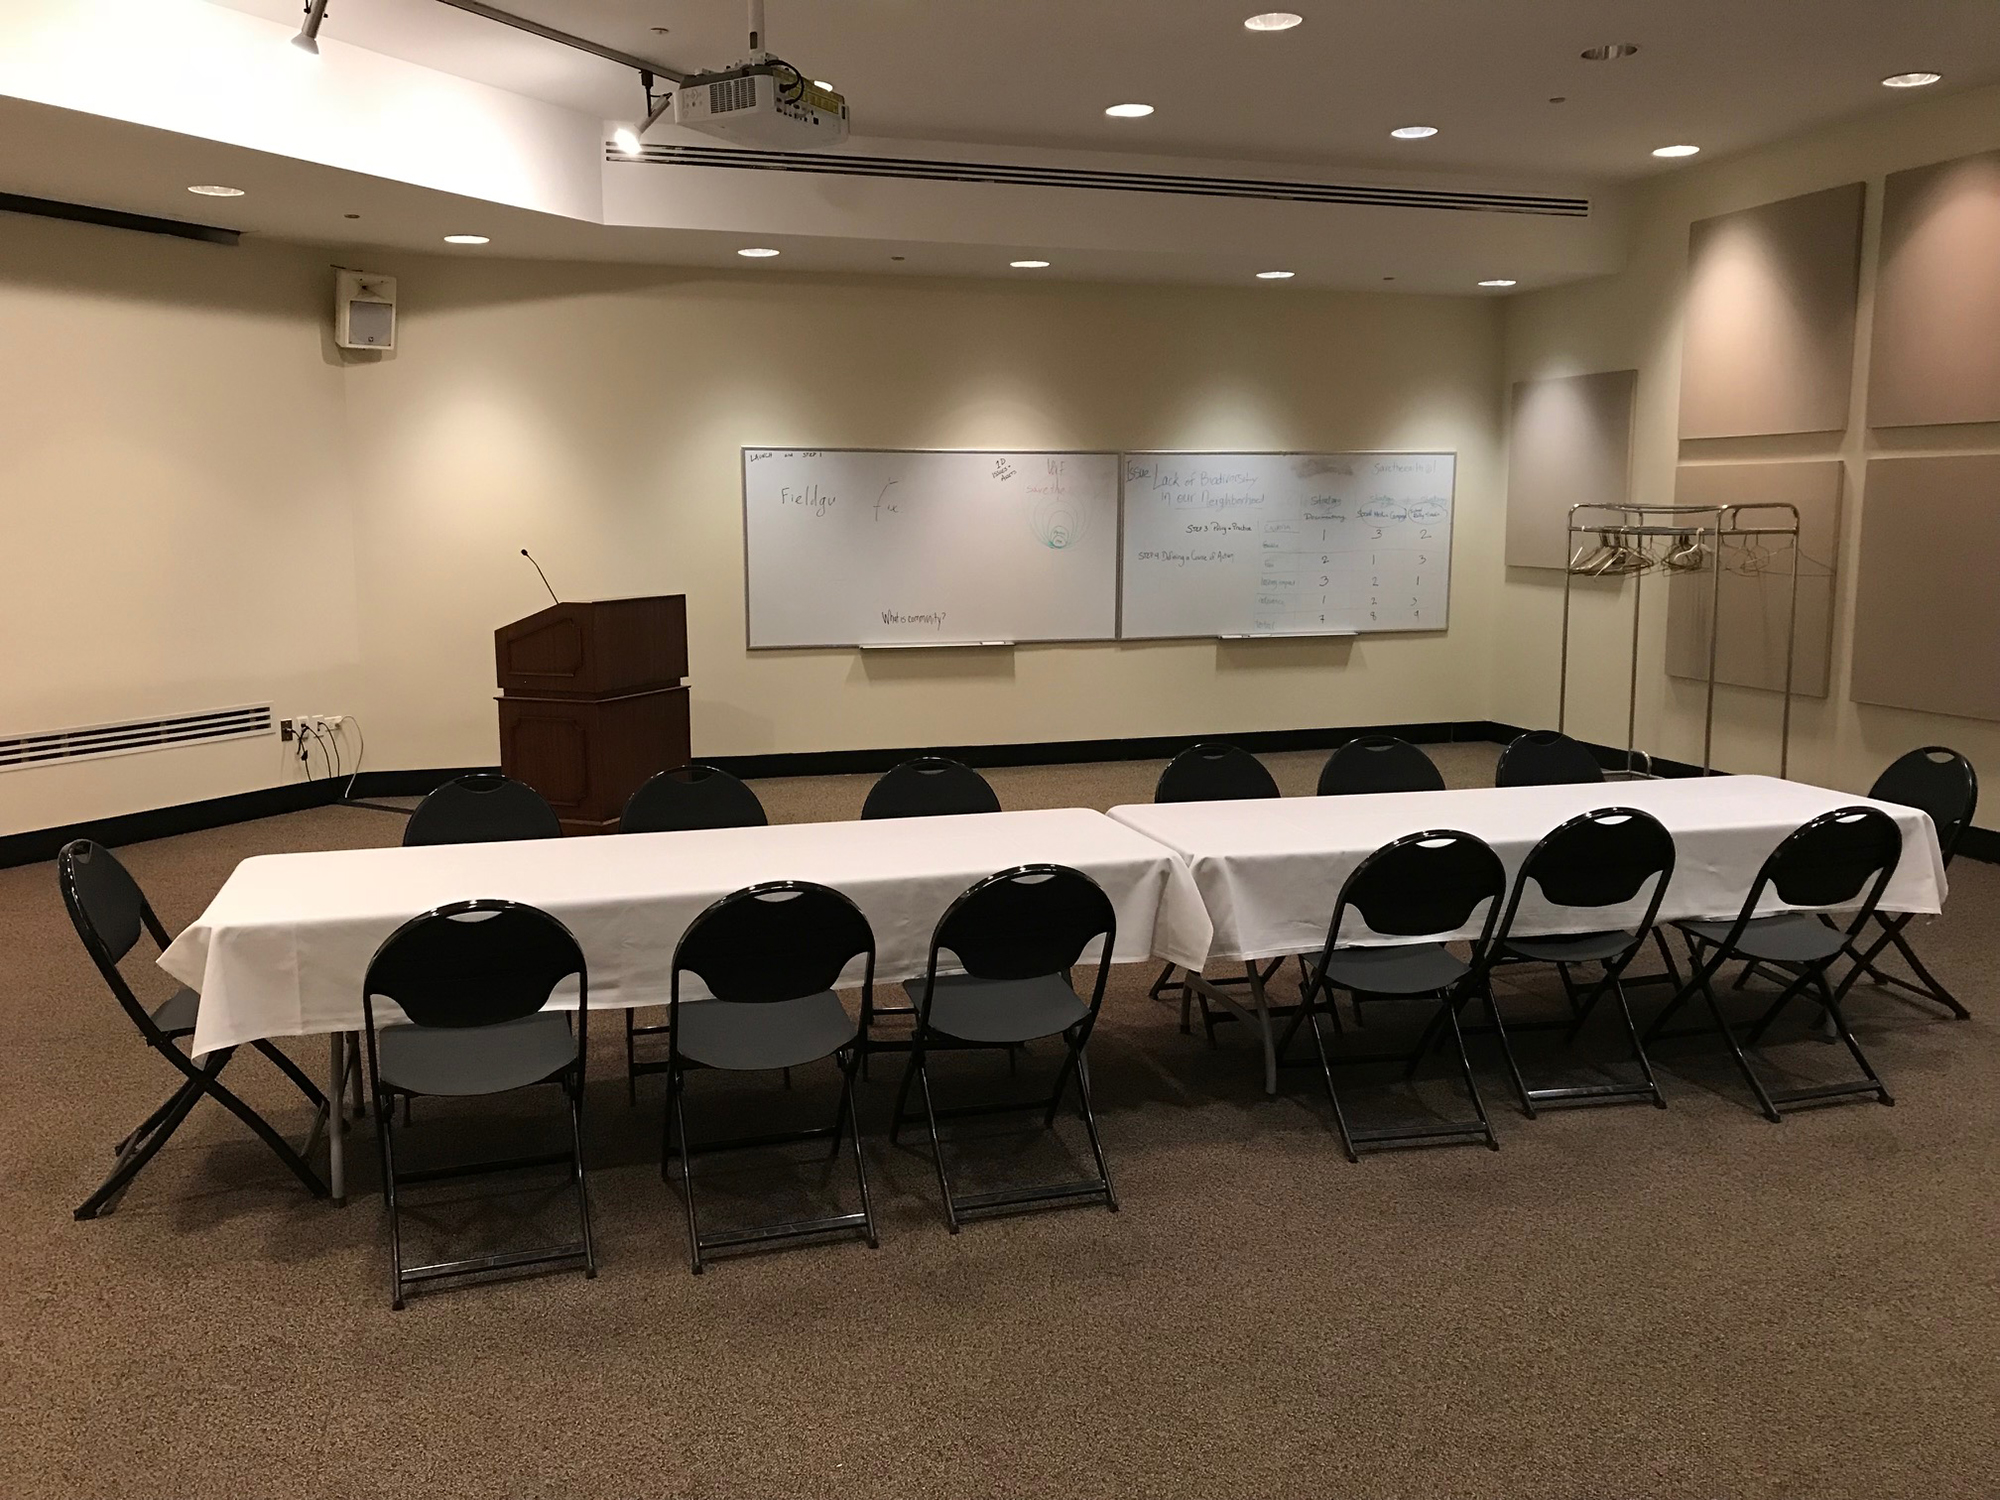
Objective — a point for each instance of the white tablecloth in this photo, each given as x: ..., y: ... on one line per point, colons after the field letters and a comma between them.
x: 282, y: 948
x: 1269, y: 870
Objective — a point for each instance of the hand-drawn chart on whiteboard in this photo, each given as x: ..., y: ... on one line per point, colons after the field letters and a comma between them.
x: 853, y: 547
x: 1267, y: 544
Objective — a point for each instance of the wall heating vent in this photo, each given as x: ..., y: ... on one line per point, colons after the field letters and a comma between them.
x: 97, y: 740
x: 1274, y: 190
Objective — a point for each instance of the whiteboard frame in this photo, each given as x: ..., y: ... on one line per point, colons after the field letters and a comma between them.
x: 1118, y: 557
x: 1451, y: 541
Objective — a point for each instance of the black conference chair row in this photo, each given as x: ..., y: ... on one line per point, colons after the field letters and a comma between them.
x: 1436, y: 882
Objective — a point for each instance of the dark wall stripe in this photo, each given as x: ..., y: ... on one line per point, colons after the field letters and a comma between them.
x: 113, y: 218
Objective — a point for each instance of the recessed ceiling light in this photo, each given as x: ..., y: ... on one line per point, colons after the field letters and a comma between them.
x: 1608, y: 51
x: 467, y: 239
x: 1129, y: 111
x: 1275, y: 275
x: 1911, y: 80
x: 1028, y: 265
x: 1498, y: 281
x: 1414, y: 132
x: 1677, y: 151
x: 756, y: 252
x: 1273, y: 20
x: 626, y: 139
x: 212, y: 190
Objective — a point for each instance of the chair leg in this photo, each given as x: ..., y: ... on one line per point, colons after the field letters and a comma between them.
x: 1507, y: 1045
x: 923, y: 1073
x: 1326, y: 1071
x: 146, y: 1126
x: 1938, y: 992
x: 144, y: 1144
x: 676, y: 1086
x: 1764, y: 1100
x: 1465, y: 1067
x: 1069, y: 1064
x: 1791, y: 992
x: 1638, y: 1051
x: 1090, y: 1128
x: 631, y: 1059
x: 575, y: 1093
x: 385, y: 1126
x: 1667, y: 956
x: 896, y: 1116
x: 280, y: 1147
x: 1831, y: 1002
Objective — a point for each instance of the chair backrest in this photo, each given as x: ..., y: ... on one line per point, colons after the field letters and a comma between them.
x: 929, y: 787
x: 1025, y: 923
x: 1842, y: 856
x: 109, y: 911
x: 1214, y: 773
x: 483, y: 808
x: 1937, y: 780
x: 691, y: 797
x: 475, y: 963
x: 1378, y: 763
x: 1598, y: 859
x: 778, y: 941
x: 1423, y: 885
x: 1542, y: 757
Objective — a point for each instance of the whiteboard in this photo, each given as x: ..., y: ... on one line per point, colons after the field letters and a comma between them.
x: 1256, y: 544
x: 858, y: 547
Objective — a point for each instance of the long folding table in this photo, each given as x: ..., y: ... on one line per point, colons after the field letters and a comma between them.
x: 1269, y: 870
x: 283, y: 947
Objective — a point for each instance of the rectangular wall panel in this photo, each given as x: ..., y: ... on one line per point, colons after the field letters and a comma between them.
x: 1926, y: 608
x: 1769, y: 338
x: 1569, y: 443
x: 1756, y: 583
x: 1937, y: 300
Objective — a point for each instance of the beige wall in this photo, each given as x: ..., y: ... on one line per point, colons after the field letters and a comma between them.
x: 272, y: 524
x: 1634, y: 319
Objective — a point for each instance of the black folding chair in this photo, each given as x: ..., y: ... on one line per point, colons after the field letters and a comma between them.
x: 1542, y: 757
x: 929, y: 786
x: 689, y: 797
x: 677, y: 801
x: 1378, y: 763
x: 770, y: 956
x: 1941, y: 782
x: 1415, y: 888
x: 108, y: 910
x: 1210, y: 772
x: 1596, y: 860
x: 1016, y: 935
x: 1839, y: 859
x: 474, y: 980
x: 483, y: 808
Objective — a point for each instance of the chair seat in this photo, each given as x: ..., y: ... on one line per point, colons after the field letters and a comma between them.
x: 753, y: 1038
x: 175, y: 1014
x: 475, y: 1059
x: 1399, y: 969
x: 1792, y: 937
x: 1571, y: 947
x: 1000, y: 1010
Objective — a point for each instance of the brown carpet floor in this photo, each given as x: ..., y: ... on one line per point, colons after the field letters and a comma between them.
x: 1622, y: 1302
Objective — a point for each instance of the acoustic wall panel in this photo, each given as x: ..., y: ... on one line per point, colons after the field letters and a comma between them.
x: 1569, y: 443
x: 1768, y: 345
x: 1937, y: 298
x: 1756, y: 584
x: 1926, y: 607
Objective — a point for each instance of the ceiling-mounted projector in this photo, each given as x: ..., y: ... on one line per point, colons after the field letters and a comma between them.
x: 764, y: 103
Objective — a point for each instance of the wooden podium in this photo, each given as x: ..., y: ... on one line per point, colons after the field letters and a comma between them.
x: 591, y: 702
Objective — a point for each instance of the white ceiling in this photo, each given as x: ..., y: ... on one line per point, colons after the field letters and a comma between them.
x: 1724, y: 74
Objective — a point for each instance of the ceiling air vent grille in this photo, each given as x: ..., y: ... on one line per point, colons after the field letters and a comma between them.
x: 1276, y: 190
x: 22, y: 750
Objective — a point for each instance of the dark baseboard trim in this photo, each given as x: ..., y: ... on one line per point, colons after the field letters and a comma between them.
x: 37, y: 845
x: 1079, y: 752
x: 218, y: 812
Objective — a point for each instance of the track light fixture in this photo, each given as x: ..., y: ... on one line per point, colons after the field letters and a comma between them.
x: 308, y: 38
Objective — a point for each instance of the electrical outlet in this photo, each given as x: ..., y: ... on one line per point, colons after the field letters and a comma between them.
x: 285, y: 730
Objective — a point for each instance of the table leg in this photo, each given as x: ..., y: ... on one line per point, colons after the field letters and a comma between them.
x: 336, y: 1127
x: 1257, y: 1014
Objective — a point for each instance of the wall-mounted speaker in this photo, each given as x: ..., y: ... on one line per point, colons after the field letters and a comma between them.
x: 364, y: 310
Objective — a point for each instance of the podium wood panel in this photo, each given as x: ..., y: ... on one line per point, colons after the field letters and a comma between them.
x: 587, y: 755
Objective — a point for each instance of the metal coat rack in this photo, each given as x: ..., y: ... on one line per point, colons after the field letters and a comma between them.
x: 1612, y: 541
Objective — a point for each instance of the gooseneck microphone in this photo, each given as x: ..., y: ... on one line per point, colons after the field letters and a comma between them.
x: 544, y: 577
